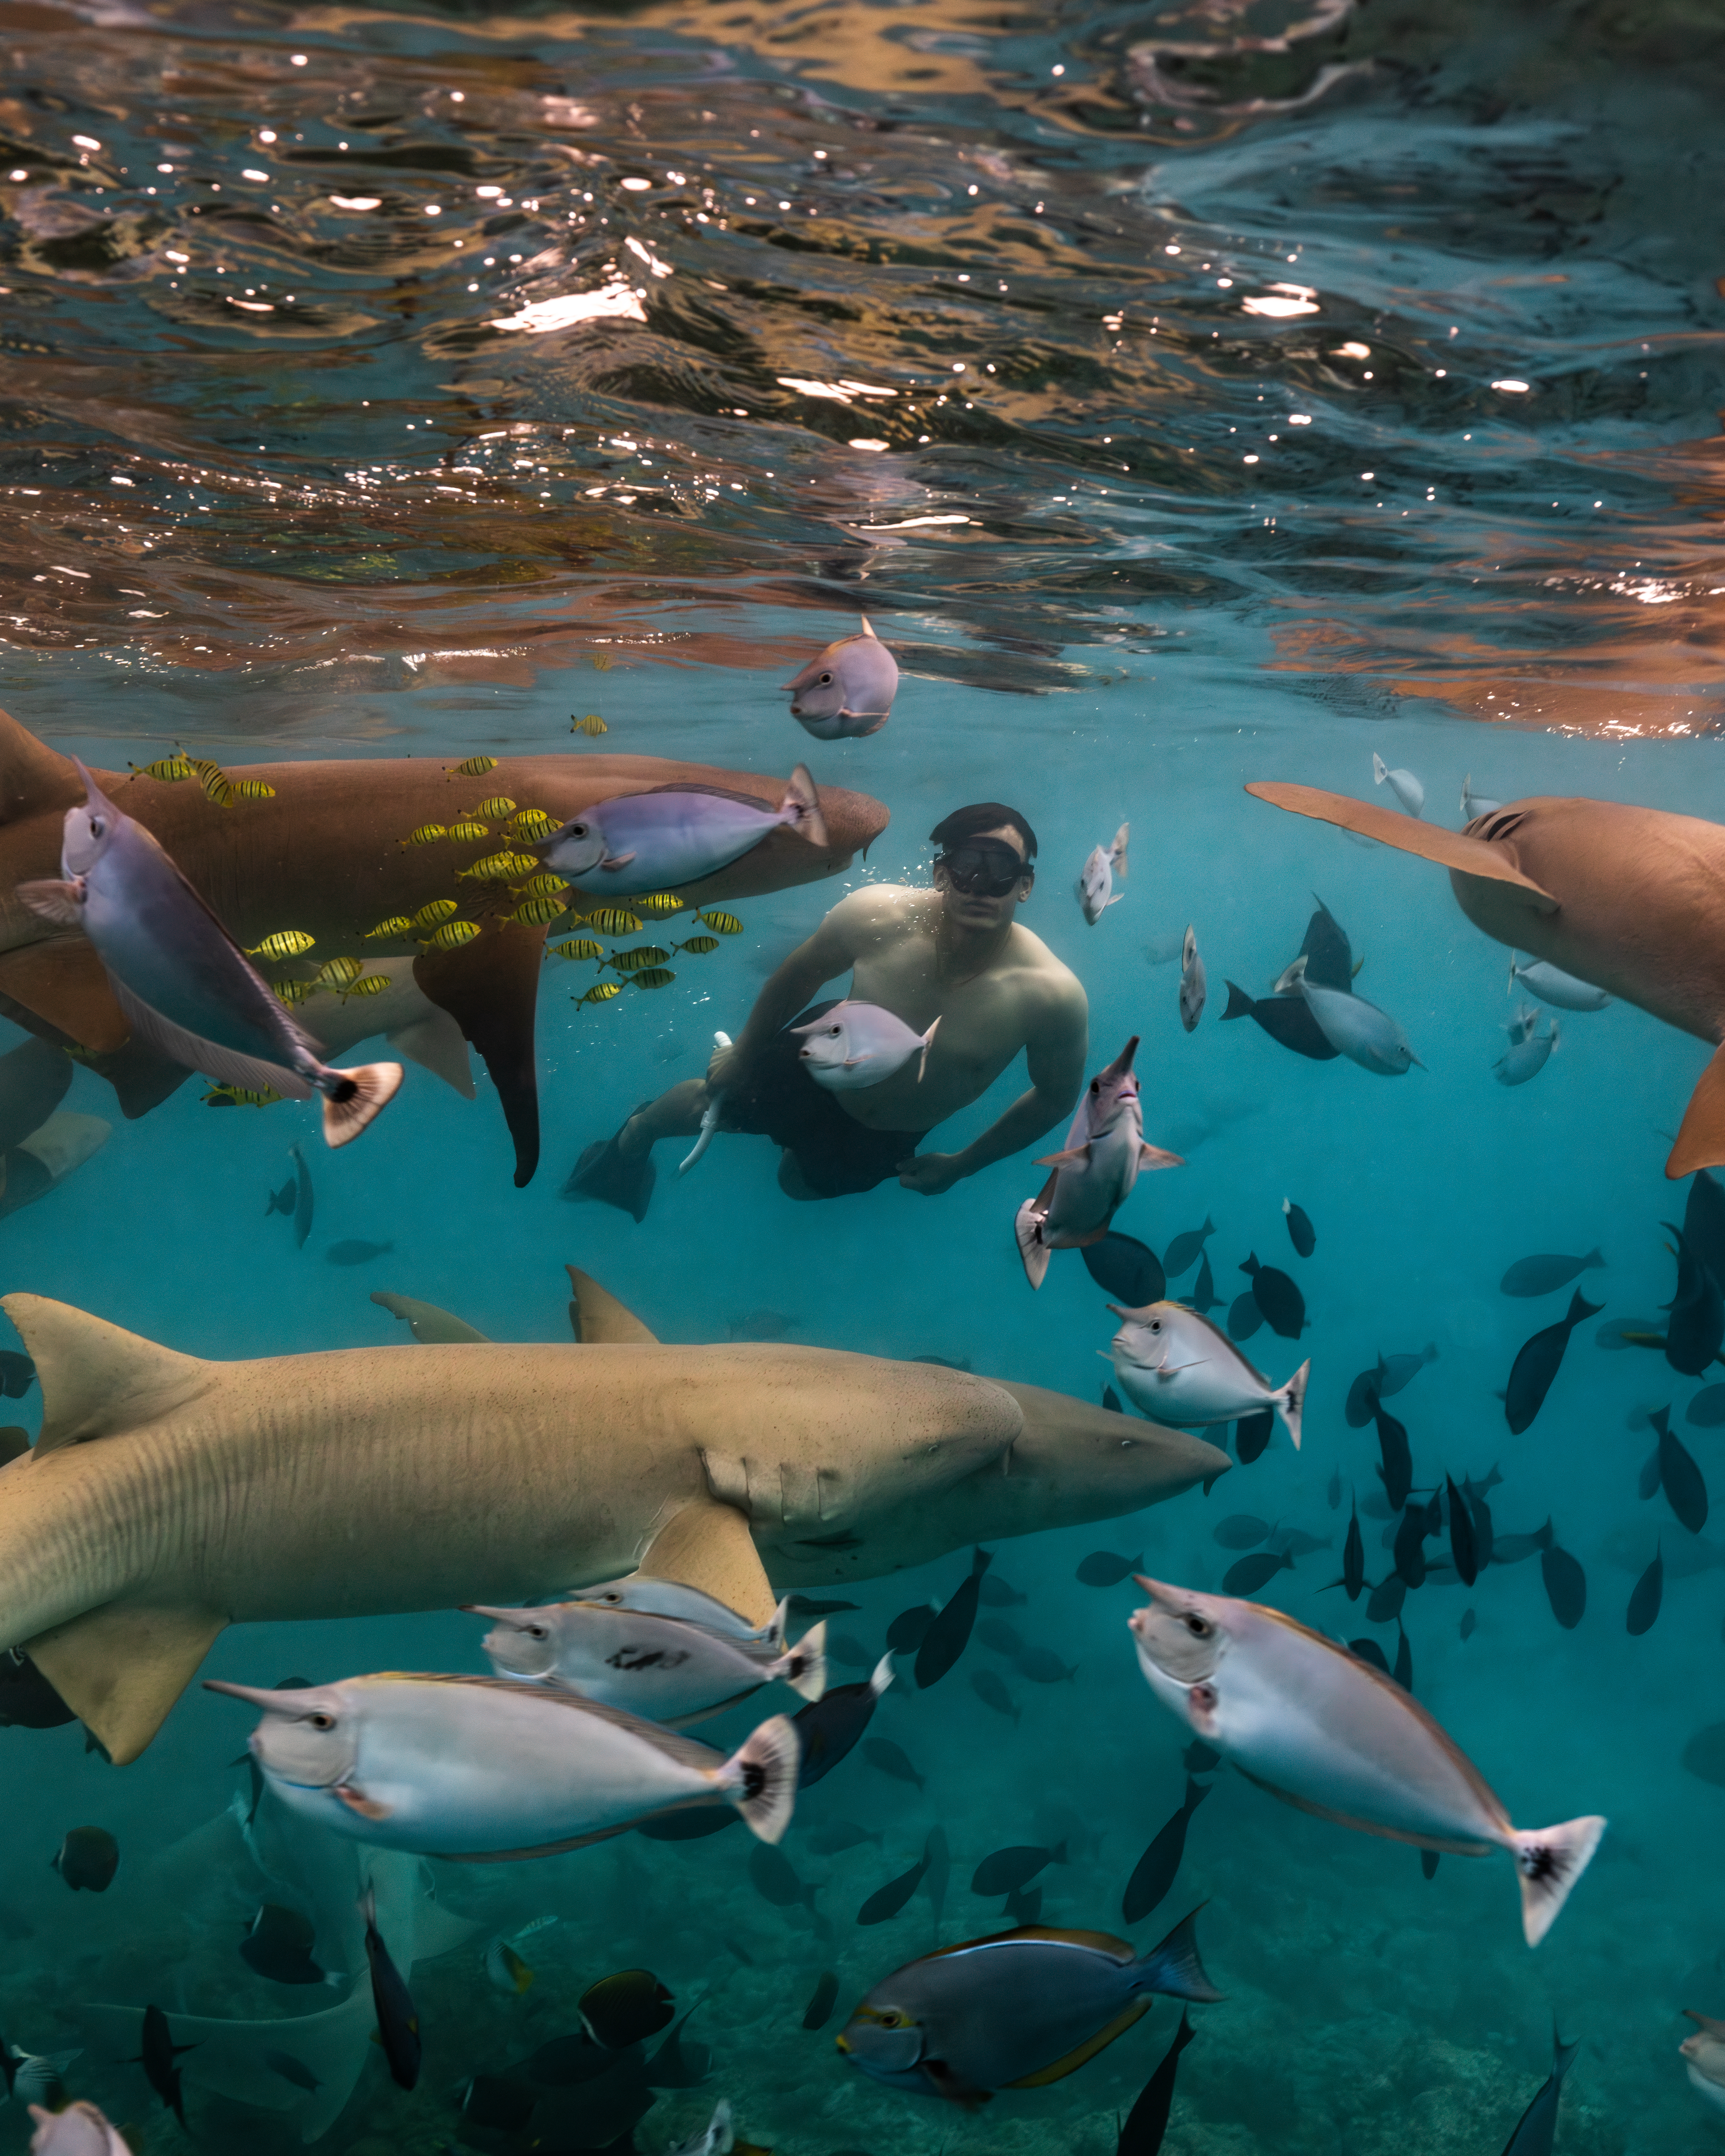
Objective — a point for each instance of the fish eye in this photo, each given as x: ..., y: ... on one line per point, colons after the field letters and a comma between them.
x: 1155, y: 1325
x: 321, y: 1721
x: 1199, y: 1627
x: 826, y: 680
x: 98, y: 829
x: 537, y: 1632
x: 577, y: 830
x: 1096, y: 1085
x: 833, y: 1031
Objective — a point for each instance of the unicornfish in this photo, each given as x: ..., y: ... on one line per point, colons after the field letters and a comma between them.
x: 1094, y: 1172
x: 1629, y: 901
x: 675, y: 834
x: 184, y: 985
x: 847, y: 690
x: 1320, y: 1728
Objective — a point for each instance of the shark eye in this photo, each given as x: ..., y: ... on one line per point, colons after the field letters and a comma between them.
x: 321, y: 1721
x: 1200, y: 1628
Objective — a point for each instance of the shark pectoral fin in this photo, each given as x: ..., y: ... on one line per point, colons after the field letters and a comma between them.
x: 1701, y: 1135
x: 437, y: 1044
x: 97, y: 1380
x: 121, y: 1667
x: 490, y: 987
x: 708, y: 1545
x: 598, y: 1319
x: 1466, y: 856
x: 430, y: 1326
x: 63, y: 981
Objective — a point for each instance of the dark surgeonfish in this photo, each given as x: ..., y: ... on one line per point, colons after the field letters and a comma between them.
x: 1146, y: 2121
x: 1285, y: 1015
x: 1706, y: 1410
x: 1001, y: 1638
x: 819, y: 2011
x: 1252, y: 1434
x: 1469, y: 1625
x: 1104, y: 1569
x: 828, y: 1728
x: 1537, y: 2129
x: 1516, y: 1549
x: 305, y: 1198
x: 907, y: 1632
x: 1252, y: 1574
x: 279, y: 1946
x: 1006, y: 1869
x: 1198, y: 1758
x: 1410, y: 1546
x: 1545, y: 1273
x: 1704, y: 1754
x: 626, y: 2007
x: 999, y: 1594
x: 1353, y: 1558
x: 774, y: 1878
x: 354, y: 1252
x: 972, y: 2019
x: 888, y: 1900
x: 1696, y: 1326
x: 398, y: 2017
x: 87, y: 1858
x: 1125, y: 1269
x: 1301, y: 1232
x: 1704, y: 1223
x: 949, y: 1634
x: 938, y: 1855
x: 1277, y: 1295
x: 1565, y: 1585
x: 156, y: 2057
x: 282, y: 1201
x: 1385, y: 1601
x: 992, y: 1691
x: 33, y: 1079
x: 1464, y: 1542
x: 1239, y: 1531
x: 890, y: 1759
x: 1023, y: 1905
x: 18, y: 1373
x: 1186, y: 1249
x: 1369, y: 1650
x: 1043, y: 1665
x: 1287, y: 1019
x: 1156, y: 1870
x: 1245, y: 1316
x: 1649, y: 1593
x: 1403, y: 1669
x: 1537, y: 1362
x: 1204, y: 1298
x: 1398, y: 1458
x: 1679, y: 1476
x: 840, y: 1835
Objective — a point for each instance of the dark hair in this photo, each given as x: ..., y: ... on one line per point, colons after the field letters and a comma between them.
x: 984, y: 816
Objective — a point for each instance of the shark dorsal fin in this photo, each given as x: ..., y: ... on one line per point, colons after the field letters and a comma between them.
x: 96, y: 1380
x: 598, y: 1319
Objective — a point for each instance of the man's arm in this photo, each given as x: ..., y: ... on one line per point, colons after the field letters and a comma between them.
x: 832, y: 950
x: 1055, y: 1057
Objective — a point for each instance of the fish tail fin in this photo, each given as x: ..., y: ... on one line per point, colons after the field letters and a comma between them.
x: 1549, y: 1861
x: 1240, y: 1004
x: 881, y: 1675
x: 360, y: 1096
x: 802, y: 805
x: 922, y: 1060
x: 1117, y: 852
x: 1027, y: 1230
x: 1580, y: 1308
x: 1514, y: 966
x: 1546, y: 1536
x: 760, y: 1778
x: 1380, y: 769
x: 1563, y: 2054
x: 804, y: 1667
x: 1172, y: 1967
x: 1292, y: 1401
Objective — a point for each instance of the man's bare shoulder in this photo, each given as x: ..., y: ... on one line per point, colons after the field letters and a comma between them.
x: 1053, y: 983
x: 880, y: 912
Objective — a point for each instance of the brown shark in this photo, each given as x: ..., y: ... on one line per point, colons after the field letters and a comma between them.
x: 1631, y: 900
x: 325, y: 856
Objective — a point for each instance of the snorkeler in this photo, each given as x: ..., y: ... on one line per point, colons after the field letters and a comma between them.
x: 955, y: 954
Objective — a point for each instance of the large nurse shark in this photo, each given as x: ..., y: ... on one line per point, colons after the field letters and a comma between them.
x: 1630, y: 900
x: 167, y: 1497
x: 325, y: 856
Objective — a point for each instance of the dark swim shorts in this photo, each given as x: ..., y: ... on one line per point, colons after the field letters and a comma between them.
x: 838, y: 1157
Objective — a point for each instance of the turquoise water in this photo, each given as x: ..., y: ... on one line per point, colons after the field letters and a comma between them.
x: 644, y: 510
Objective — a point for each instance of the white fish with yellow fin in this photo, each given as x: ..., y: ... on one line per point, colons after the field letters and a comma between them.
x: 1323, y: 1730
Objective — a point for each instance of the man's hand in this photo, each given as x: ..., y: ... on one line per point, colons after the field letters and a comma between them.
x: 930, y: 1173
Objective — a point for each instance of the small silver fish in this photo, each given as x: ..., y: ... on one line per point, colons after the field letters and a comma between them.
x: 671, y: 835
x: 1544, y: 980
x: 1528, y: 1052
x: 1406, y: 788
x: 1182, y: 1371
x: 1322, y: 1729
x: 1094, y: 889
x: 1094, y: 1173
x: 1193, y: 988
x: 846, y: 690
x: 856, y: 1044
x: 1359, y: 1030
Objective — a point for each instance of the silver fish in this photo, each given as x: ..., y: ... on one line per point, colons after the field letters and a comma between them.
x: 1180, y: 1370
x: 80, y: 2130
x: 1095, y: 888
x: 1474, y: 804
x: 663, y: 1668
x: 846, y: 690
x: 1322, y: 1729
x: 717, y: 2138
x: 184, y: 985
x: 1017, y: 2010
x: 481, y: 1767
x: 670, y: 1598
x: 1539, y: 977
x: 854, y: 1044
x: 708, y: 1117
x: 1094, y: 1173
x: 1406, y: 788
x: 672, y: 835
x: 1704, y: 2055
x: 1528, y: 1055
x: 1193, y: 988
x: 1357, y: 1030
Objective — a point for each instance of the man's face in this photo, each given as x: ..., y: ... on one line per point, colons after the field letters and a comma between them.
x: 969, y: 876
